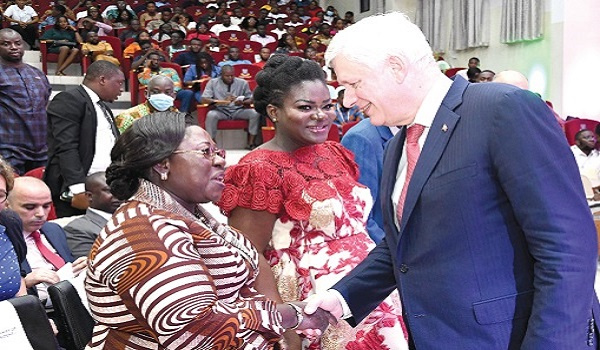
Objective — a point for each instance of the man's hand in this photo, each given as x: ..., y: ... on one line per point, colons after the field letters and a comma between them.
x: 41, y: 275
x: 79, y: 264
x: 326, y: 301
x: 80, y: 201
x: 313, y: 325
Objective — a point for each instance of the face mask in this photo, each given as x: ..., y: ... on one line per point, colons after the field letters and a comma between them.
x: 330, y: 13
x: 161, y: 102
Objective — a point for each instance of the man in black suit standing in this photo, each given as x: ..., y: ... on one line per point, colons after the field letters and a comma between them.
x: 82, y: 232
x: 81, y: 133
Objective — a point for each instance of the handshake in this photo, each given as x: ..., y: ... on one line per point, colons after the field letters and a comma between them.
x: 313, y: 316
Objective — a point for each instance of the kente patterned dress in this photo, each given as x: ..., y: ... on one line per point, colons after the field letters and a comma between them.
x: 160, y: 277
x: 320, y: 231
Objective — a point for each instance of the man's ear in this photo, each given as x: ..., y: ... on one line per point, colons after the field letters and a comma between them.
x: 398, y: 66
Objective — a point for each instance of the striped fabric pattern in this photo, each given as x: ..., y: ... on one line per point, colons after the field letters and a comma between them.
x: 158, y: 279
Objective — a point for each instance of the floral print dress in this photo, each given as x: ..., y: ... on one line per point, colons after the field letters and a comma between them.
x: 320, y: 232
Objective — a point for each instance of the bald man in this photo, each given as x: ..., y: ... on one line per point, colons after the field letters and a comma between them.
x: 512, y: 77
x: 160, y: 95
x: 47, y: 249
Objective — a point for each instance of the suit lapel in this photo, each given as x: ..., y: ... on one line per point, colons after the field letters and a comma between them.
x: 439, y: 134
x: 391, y: 160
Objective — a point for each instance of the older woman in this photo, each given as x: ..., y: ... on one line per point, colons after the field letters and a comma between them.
x: 298, y: 199
x: 163, y: 274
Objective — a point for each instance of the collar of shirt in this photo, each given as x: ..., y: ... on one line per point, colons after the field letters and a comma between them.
x: 102, y: 213
x: 432, y: 103
x: 579, y: 153
x: 93, y: 96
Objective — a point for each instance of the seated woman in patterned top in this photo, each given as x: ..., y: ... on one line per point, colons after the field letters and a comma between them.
x: 163, y: 274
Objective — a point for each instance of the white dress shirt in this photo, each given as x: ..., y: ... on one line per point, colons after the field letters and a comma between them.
x: 589, y: 165
x: 25, y: 14
x: 425, y: 115
x: 37, y: 261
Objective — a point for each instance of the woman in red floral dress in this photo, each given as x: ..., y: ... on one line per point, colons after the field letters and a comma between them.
x: 298, y: 200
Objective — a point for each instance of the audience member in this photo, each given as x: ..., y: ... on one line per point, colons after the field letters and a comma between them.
x: 263, y: 55
x: 287, y: 45
x: 13, y: 250
x: 202, y: 33
x: 274, y: 14
x: 343, y: 114
x: 224, y: 25
x: 337, y: 25
x: 237, y: 17
x: 81, y: 131
x: 165, y: 170
x: 324, y: 35
x: 98, y: 50
x: 87, y: 24
x: 261, y: 36
x: 349, y: 17
x: 63, y: 40
x: 233, y: 58
x: 83, y: 231
x: 122, y: 21
x: 24, y: 94
x: 150, y: 15
x: 303, y: 15
x: 51, y: 16
x: 132, y: 31
x: 473, y: 74
x: 486, y: 76
x: 474, y: 239
x: 134, y: 47
x: 473, y: 63
x: 160, y: 95
x: 190, y: 56
x: 313, y: 8
x: 87, y: 4
x: 232, y: 99
x: 306, y: 240
x: 210, y: 16
x: 295, y: 21
x: 330, y: 14
x: 47, y: 249
x: 23, y: 19
x: 587, y: 156
x: 164, y: 33
x: 367, y: 142
x: 214, y: 45
x: 114, y: 12
x: 512, y: 77
x: 249, y: 25
x: 203, y: 70
x: 279, y: 29
x: 177, y: 45
x: 166, y: 14
x: 153, y: 68
x: 183, y: 22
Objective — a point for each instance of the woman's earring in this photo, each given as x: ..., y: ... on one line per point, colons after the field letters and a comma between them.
x: 274, y: 120
x: 164, y: 176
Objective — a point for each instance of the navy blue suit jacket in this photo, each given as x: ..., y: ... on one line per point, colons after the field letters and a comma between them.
x: 57, y: 237
x: 367, y: 142
x: 498, y: 247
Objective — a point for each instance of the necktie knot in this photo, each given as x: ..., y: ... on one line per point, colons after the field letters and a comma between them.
x: 36, y: 236
x: 49, y: 255
x: 414, y: 132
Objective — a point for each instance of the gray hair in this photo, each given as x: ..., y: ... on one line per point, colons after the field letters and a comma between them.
x: 374, y: 39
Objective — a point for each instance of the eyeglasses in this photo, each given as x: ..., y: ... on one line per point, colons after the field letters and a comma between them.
x: 209, y: 153
x: 3, y: 196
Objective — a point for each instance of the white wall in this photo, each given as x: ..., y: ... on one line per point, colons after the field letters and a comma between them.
x: 562, y: 66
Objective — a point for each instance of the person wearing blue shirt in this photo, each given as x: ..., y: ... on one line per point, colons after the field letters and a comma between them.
x: 202, y: 71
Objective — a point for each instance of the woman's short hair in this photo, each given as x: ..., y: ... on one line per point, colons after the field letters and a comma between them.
x: 149, y: 141
x: 279, y: 75
x: 7, y: 172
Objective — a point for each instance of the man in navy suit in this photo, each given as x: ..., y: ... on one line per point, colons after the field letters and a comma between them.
x: 494, y: 246
x: 31, y: 199
x: 367, y: 142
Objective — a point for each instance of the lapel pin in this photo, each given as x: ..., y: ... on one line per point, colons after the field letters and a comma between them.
x: 444, y: 128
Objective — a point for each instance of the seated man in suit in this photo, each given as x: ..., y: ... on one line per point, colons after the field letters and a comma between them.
x: 82, y: 232
x: 47, y: 249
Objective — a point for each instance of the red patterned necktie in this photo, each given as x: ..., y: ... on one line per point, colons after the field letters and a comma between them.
x: 412, y: 155
x: 52, y: 258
